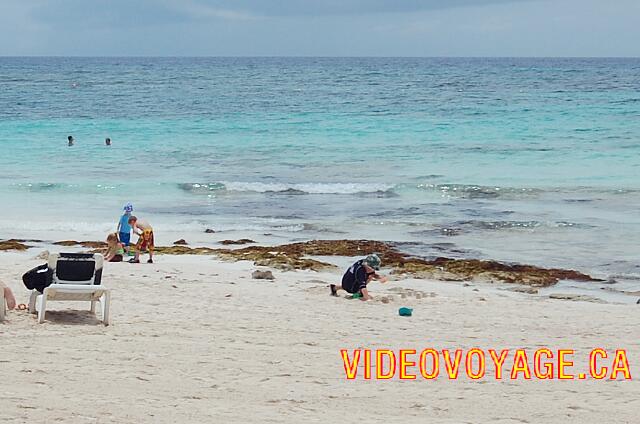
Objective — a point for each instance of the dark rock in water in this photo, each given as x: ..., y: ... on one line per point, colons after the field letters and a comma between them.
x: 289, y: 191
x: 262, y: 275
x: 241, y: 241
x: 450, y: 232
x: 209, y: 231
x: 181, y: 242
x: 13, y: 244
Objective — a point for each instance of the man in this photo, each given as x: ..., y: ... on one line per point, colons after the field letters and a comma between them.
x: 107, y: 141
x: 358, y: 275
x: 70, y: 140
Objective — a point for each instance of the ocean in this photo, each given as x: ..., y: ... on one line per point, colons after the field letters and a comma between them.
x: 526, y: 160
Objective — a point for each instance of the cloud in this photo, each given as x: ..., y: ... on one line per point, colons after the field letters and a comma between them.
x: 200, y: 10
x: 135, y: 13
x: 338, y: 7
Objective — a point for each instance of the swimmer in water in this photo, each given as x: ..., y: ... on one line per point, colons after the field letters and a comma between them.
x: 107, y: 141
x: 71, y: 140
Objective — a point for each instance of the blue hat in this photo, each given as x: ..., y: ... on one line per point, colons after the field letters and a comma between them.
x: 128, y: 207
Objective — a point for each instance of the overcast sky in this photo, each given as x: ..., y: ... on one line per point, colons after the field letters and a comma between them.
x: 320, y: 27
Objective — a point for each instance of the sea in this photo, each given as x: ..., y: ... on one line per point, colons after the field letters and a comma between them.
x: 519, y: 160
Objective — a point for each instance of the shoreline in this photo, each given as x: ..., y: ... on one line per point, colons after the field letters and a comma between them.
x: 336, y: 255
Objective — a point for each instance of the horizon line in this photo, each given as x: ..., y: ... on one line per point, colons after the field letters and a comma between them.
x: 308, y: 57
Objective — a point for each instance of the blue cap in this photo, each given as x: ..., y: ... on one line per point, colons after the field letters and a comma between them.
x: 128, y: 207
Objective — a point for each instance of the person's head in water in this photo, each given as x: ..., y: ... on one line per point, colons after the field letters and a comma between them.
x: 107, y: 141
x: 70, y: 140
x: 373, y: 261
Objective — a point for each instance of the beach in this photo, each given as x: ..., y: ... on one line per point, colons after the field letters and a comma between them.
x: 196, y: 339
x: 499, y: 193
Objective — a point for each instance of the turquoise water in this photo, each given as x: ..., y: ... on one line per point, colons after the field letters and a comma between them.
x: 532, y: 160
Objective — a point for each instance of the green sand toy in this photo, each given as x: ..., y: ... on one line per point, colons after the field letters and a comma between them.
x: 405, y: 312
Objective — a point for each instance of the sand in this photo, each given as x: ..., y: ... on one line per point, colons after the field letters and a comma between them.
x: 196, y: 340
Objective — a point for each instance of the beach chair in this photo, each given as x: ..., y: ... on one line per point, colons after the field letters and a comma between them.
x: 74, y: 277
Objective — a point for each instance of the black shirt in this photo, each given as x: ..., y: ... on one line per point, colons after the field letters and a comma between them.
x: 355, y: 279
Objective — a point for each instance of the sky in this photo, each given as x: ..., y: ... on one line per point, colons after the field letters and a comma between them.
x: 584, y: 28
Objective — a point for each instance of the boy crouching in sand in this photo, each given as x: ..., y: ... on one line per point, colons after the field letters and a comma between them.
x: 358, y: 275
x: 145, y: 239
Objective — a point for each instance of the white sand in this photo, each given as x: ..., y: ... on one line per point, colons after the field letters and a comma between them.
x: 195, y: 340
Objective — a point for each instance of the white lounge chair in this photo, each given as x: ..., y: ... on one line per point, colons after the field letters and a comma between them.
x: 75, y: 277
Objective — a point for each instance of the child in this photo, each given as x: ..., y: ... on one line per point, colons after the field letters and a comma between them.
x: 360, y: 274
x: 124, y: 229
x: 145, y: 239
x: 115, y: 249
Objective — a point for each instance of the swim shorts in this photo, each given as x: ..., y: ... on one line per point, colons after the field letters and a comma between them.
x: 145, y: 242
x: 125, y: 238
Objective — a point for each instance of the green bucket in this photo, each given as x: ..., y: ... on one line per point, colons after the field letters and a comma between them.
x: 405, y: 312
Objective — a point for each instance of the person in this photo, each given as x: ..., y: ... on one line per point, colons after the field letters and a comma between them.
x: 145, y: 239
x: 115, y: 249
x: 124, y: 229
x: 70, y: 140
x: 360, y: 274
x: 8, y: 296
x: 107, y: 141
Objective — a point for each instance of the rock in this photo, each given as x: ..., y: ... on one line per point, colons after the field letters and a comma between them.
x: 184, y: 250
x: 296, y: 256
x: 13, y: 244
x: 44, y: 255
x: 262, y: 275
x: 181, y: 242
x: 528, y: 290
x: 87, y: 244
x: 241, y: 241
x: 209, y: 231
x: 384, y: 299
x: 575, y: 297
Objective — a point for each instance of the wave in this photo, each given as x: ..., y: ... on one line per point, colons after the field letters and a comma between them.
x: 49, y: 187
x: 576, y: 194
x: 478, y: 191
x: 288, y: 189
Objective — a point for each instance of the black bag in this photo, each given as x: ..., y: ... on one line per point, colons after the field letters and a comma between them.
x: 38, y: 278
